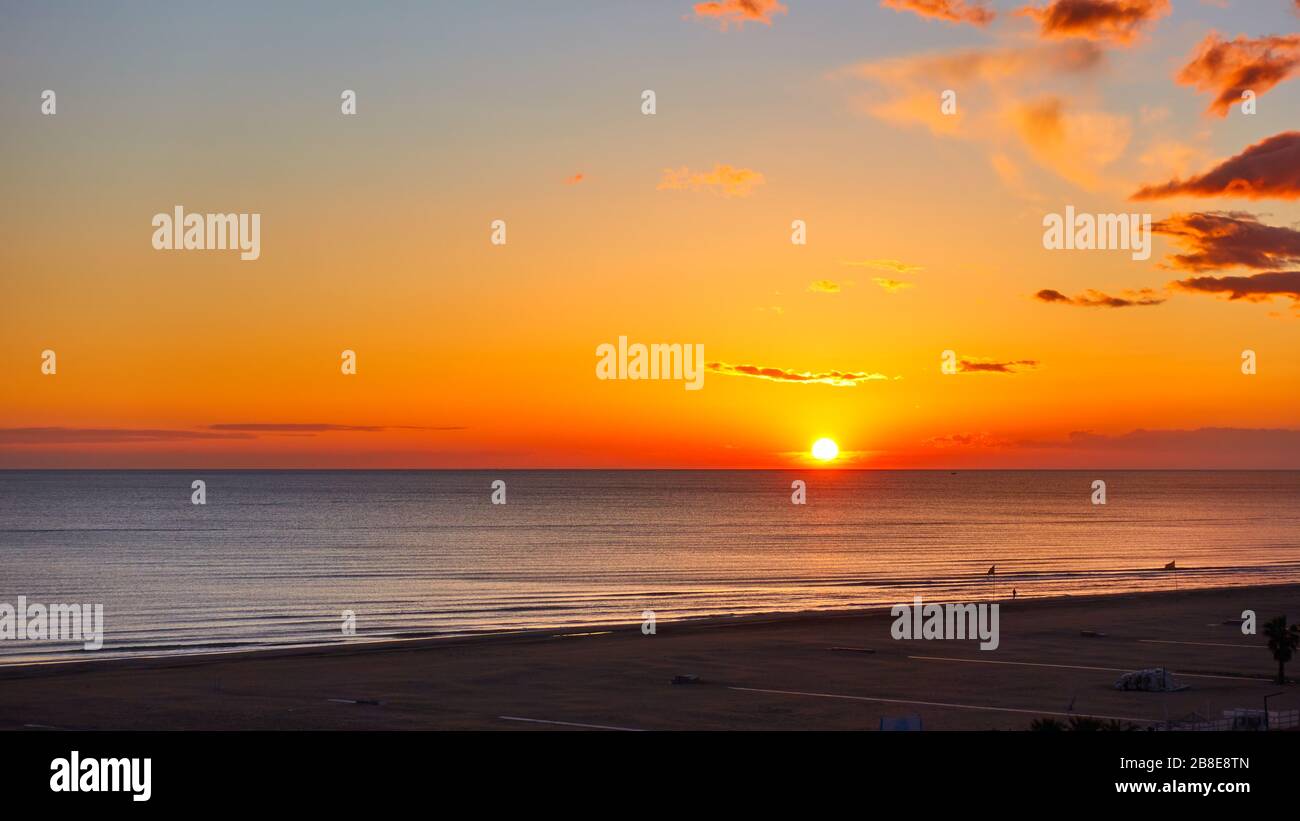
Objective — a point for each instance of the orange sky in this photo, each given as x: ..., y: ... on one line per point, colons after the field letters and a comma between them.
x: 375, y: 238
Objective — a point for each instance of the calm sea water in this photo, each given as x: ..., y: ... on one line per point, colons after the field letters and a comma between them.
x: 275, y: 557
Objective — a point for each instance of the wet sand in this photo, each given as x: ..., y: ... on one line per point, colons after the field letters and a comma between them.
x: 804, y: 671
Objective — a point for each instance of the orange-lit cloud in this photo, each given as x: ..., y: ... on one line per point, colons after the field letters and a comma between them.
x: 976, y: 12
x: 1077, y: 145
x: 981, y: 439
x: 1267, y: 169
x: 1115, y: 21
x: 1097, y: 299
x: 1220, y: 239
x: 1000, y: 104
x: 891, y: 285
x: 840, y: 379
x: 908, y: 87
x: 887, y: 265
x: 973, y: 365
x: 1226, y: 68
x: 575, y: 179
x: 723, y: 179
x: 825, y: 286
x: 739, y: 12
x: 1254, y: 288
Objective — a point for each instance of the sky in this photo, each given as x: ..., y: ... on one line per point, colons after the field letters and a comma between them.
x: 924, y: 230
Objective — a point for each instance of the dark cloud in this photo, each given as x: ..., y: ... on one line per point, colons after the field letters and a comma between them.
x: 316, y: 427
x: 107, y: 436
x: 1097, y: 299
x: 1228, y: 239
x: 1253, y: 288
x: 1116, y: 21
x: 1267, y: 169
x: 221, y: 432
x: 993, y: 366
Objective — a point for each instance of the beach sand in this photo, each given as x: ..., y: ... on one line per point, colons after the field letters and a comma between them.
x: 773, y: 673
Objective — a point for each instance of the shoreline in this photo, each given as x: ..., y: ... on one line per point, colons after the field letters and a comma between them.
x: 417, y: 642
x: 1058, y: 657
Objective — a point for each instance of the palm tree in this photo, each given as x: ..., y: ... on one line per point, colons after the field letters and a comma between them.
x: 1283, y: 640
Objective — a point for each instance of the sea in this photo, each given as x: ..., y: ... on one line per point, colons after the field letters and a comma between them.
x: 281, y: 558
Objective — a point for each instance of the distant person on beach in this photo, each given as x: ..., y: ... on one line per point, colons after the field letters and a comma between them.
x: 1013, y: 594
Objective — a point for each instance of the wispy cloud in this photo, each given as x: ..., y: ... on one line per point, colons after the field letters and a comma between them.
x: 723, y: 179
x: 839, y: 379
x: 824, y: 286
x: 891, y: 285
x: 1097, y: 299
x: 739, y: 12
x: 319, y: 427
x: 1269, y: 169
x: 1226, y: 68
x: 575, y: 179
x: 975, y: 12
x: 1007, y: 98
x: 886, y: 265
x: 1076, y: 145
x: 218, y: 432
x: 966, y: 440
x: 974, y: 365
x: 108, y: 436
x: 1119, y: 22
x: 1228, y: 239
x: 1254, y: 288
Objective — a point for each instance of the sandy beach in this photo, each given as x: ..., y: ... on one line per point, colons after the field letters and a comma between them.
x: 833, y: 671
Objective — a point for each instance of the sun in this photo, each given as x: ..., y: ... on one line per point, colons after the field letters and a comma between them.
x: 825, y: 449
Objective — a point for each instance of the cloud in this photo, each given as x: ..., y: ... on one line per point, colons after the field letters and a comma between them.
x: 1097, y: 299
x: 953, y: 11
x: 1243, y: 444
x: 1254, y: 288
x: 966, y: 440
x: 840, y: 379
x: 1002, y: 103
x: 318, y: 427
x: 1226, y: 68
x: 907, y: 88
x: 825, y: 286
x: 1077, y: 145
x: 887, y: 265
x: 723, y: 179
x: 1197, y: 448
x: 891, y: 285
x: 973, y: 365
x: 107, y: 436
x: 1268, y: 169
x: 1114, y: 21
x: 575, y: 179
x: 1228, y: 239
x: 220, y: 432
x: 739, y: 12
